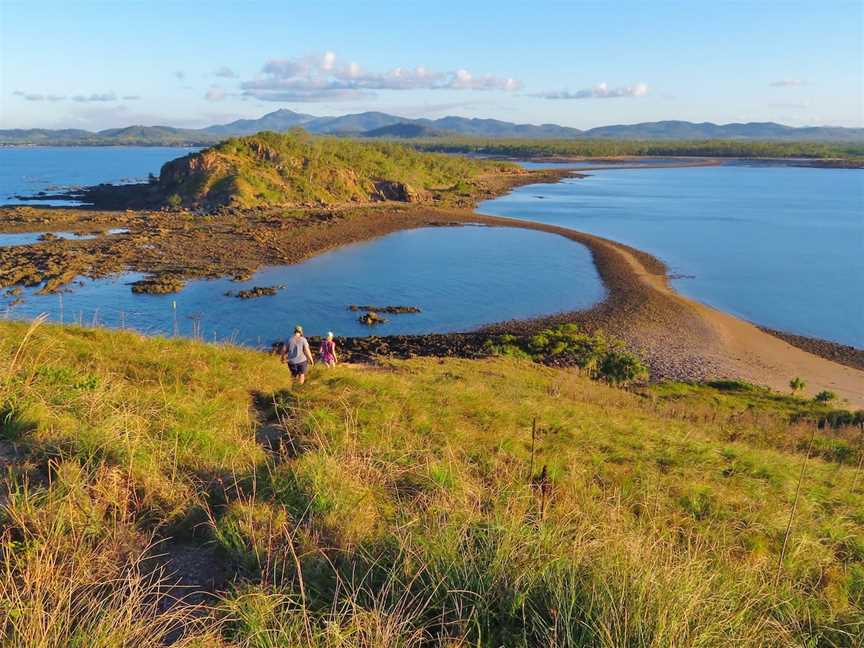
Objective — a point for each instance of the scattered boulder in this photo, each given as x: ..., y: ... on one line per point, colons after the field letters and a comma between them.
x: 392, y: 310
x: 371, y: 318
x: 159, y: 285
x: 255, y: 291
x: 392, y: 190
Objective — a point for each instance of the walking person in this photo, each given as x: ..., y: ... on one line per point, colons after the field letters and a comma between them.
x: 328, y: 351
x: 299, y: 355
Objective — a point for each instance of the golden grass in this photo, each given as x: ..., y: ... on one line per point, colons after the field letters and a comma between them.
x: 402, y: 508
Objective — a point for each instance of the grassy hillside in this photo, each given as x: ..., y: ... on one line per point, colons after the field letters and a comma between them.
x: 298, y: 169
x: 404, y: 505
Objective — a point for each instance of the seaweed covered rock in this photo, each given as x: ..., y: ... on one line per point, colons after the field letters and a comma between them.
x: 392, y: 310
x: 159, y: 285
x: 255, y: 291
x: 371, y: 318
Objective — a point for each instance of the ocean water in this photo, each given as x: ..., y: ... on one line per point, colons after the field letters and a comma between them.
x: 460, y: 277
x: 25, y: 171
x: 780, y: 246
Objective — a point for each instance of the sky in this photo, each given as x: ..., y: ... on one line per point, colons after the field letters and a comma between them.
x: 94, y: 65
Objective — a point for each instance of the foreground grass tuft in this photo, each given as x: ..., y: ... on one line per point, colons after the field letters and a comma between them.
x: 419, y: 503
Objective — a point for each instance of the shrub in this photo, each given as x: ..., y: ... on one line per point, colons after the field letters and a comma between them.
x: 837, y: 418
x: 505, y: 345
x: 620, y: 367
x: 583, y: 350
x: 824, y: 396
x: 566, y: 344
x: 732, y: 385
x: 796, y: 385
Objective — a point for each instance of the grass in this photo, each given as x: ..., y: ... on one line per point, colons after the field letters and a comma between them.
x: 400, y: 507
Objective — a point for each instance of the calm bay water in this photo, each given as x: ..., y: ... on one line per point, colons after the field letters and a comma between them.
x: 780, y: 246
x: 783, y: 247
x: 461, y: 278
x: 25, y: 171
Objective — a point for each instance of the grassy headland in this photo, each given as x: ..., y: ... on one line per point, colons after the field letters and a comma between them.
x: 296, y: 169
x: 409, y: 505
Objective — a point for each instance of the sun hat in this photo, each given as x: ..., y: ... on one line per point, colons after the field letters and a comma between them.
x: 298, y: 329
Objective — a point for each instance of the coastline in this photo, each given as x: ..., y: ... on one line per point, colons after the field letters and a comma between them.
x: 645, y: 161
x: 679, y: 338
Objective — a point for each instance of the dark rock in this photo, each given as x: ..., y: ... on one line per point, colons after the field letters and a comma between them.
x: 371, y: 318
x: 255, y: 291
x: 159, y: 285
x: 398, y: 191
x: 390, y: 310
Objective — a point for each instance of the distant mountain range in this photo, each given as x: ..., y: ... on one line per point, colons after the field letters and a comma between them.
x: 378, y: 124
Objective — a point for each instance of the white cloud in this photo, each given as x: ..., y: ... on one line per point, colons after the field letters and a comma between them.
x: 107, y: 96
x: 36, y: 96
x: 599, y: 91
x: 79, y: 98
x: 225, y: 72
x: 325, y: 77
x: 787, y: 83
x: 215, y: 93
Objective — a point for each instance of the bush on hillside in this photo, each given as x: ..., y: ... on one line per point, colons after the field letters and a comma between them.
x: 601, y: 358
x: 824, y: 396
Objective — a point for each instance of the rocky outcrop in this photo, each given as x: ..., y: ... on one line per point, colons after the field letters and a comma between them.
x: 398, y: 191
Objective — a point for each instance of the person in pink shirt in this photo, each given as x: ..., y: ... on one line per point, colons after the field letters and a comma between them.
x: 328, y: 351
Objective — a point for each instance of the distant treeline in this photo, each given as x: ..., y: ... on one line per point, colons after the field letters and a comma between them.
x: 616, y: 148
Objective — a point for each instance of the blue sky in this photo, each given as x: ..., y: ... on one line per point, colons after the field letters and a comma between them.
x: 104, y: 64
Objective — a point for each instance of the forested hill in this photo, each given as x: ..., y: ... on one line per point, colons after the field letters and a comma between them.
x: 299, y: 169
x: 378, y: 123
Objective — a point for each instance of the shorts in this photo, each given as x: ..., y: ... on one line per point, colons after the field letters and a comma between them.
x: 298, y: 369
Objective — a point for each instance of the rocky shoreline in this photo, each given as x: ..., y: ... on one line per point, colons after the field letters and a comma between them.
x: 172, y: 246
x: 666, y: 330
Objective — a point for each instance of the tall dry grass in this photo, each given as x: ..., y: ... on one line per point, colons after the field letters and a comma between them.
x: 404, y: 506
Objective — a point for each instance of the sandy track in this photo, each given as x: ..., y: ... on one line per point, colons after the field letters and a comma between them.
x: 740, y: 349
x: 681, y: 337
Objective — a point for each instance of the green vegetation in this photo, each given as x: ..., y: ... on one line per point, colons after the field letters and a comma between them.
x: 615, y: 148
x: 411, y: 504
x: 598, y: 356
x: 825, y: 396
x: 797, y: 385
x: 299, y: 169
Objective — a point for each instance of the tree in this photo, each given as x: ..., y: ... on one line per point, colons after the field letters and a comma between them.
x: 824, y: 396
x: 620, y: 367
x: 797, y: 385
